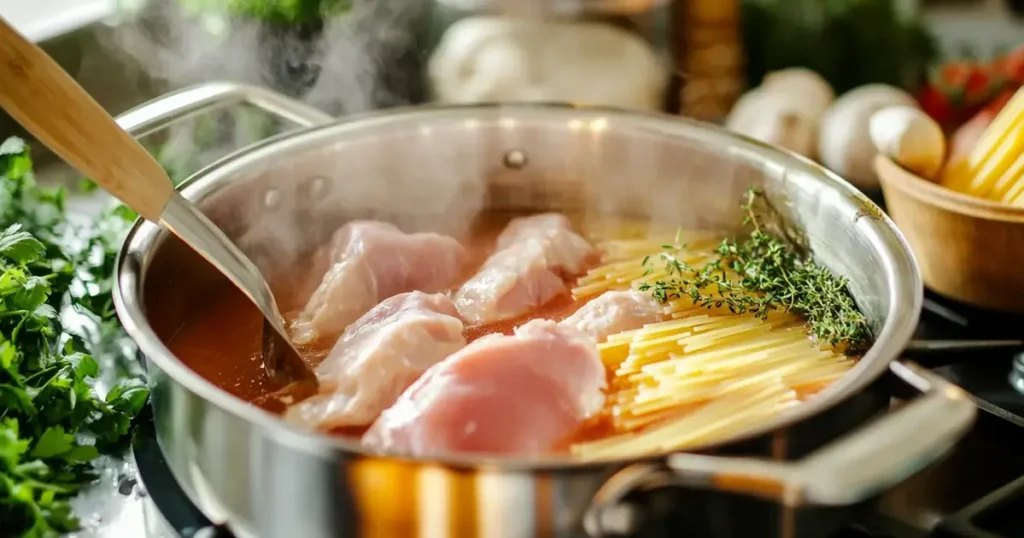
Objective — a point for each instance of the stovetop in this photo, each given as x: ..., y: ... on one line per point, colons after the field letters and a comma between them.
x: 976, y: 492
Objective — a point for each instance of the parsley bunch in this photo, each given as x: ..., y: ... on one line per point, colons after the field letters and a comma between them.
x: 52, y: 421
x: 773, y: 271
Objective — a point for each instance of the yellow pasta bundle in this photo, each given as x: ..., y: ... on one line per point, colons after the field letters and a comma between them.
x: 705, y: 374
x: 994, y: 170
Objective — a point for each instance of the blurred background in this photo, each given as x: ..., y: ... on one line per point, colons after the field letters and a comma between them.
x: 806, y: 75
x: 690, y: 57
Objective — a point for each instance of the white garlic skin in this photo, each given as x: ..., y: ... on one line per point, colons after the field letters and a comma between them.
x: 814, y: 92
x: 910, y: 138
x: 497, y: 59
x: 775, y: 118
x: 844, y: 138
x: 785, y: 110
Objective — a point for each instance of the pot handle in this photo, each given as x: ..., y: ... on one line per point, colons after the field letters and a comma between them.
x: 172, y: 107
x: 852, y: 469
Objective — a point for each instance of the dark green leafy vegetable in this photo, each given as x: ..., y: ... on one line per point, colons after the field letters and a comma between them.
x: 53, y: 422
x: 774, y: 272
x: 290, y: 11
x: 848, y: 42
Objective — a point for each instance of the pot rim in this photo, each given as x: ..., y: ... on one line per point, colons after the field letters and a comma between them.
x: 906, y: 294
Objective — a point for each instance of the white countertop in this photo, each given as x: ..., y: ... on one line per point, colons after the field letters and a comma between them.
x: 40, y: 20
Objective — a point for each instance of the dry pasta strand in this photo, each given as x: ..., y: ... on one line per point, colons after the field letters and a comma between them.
x: 705, y: 374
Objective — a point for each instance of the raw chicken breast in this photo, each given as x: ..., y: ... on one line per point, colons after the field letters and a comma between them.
x: 511, y: 283
x: 378, y: 357
x: 565, y: 251
x: 520, y: 394
x: 372, y: 261
x: 534, y: 254
x: 615, y: 312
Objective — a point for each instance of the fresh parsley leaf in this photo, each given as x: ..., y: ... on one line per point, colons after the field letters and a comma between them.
x: 52, y: 421
x: 54, y: 442
x: 12, y: 146
x: 129, y: 396
x: 126, y: 213
x: 87, y: 185
x: 17, y: 399
x: 19, y: 245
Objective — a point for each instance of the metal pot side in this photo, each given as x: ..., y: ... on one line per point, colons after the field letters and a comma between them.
x: 436, y: 168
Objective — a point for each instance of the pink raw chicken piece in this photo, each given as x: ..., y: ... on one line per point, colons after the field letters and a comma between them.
x: 518, y: 394
x: 371, y: 262
x: 378, y: 357
x: 534, y: 253
x: 566, y: 252
x: 615, y: 312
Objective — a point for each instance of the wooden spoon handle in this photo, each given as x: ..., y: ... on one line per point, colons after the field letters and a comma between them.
x: 59, y: 113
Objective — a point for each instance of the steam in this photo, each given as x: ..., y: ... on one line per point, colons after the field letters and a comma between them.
x: 353, y: 62
x: 423, y: 176
x: 366, y: 59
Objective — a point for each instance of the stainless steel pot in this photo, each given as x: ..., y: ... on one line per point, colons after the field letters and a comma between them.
x: 435, y: 168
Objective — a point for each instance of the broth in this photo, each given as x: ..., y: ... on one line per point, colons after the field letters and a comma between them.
x: 221, y: 343
x: 221, y: 339
x: 677, y: 383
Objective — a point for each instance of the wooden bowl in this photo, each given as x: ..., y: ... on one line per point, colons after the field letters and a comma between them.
x: 967, y: 248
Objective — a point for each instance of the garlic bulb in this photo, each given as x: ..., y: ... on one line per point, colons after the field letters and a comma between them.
x: 909, y: 137
x: 784, y: 110
x: 775, y: 118
x: 506, y: 59
x: 844, y: 139
x: 813, y: 91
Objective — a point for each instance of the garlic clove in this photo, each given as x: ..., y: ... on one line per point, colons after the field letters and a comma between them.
x: 910, y: 138
x: 813, y: 91
x: 775, y: 118
x: 844, y: 140
x: 497, y: 59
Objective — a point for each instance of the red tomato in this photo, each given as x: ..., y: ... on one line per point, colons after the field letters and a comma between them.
x: 1013, y: 65
x: 953, y: 75
x: 936, y: 104
x: 978, y: 87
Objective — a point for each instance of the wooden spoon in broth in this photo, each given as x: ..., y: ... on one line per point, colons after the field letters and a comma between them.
x: 44, y: 99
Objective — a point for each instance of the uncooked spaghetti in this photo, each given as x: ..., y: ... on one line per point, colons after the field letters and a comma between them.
x: 703, y: 375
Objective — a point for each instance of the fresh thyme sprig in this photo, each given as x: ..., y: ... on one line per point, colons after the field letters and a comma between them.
x: 771, y: 270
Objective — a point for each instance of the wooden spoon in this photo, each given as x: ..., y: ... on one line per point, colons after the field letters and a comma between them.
x: 59, y: 113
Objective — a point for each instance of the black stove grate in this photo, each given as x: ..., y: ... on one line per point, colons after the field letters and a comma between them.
x: 997, y: 515
x: 988, y: 376
x: 180, y: 514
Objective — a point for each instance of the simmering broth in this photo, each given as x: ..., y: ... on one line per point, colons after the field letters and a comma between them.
x: 221, y: 339
x: 697, y: 373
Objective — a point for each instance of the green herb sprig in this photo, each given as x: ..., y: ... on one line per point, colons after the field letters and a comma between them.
x: 52, y: 421
x: 771, y: 270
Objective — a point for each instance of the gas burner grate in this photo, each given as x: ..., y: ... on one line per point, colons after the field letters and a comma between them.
x: 184, y: 518
x: 990, y: 376
x: 997, y: 515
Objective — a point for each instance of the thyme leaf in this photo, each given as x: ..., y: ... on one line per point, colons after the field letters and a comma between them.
x: 770, y: 270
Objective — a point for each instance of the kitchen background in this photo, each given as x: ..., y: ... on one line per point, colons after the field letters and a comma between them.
x: 692, y: 57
